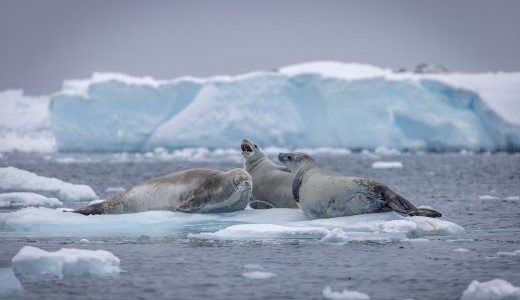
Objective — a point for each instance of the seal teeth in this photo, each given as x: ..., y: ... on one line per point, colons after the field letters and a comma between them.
x: 246, y: 148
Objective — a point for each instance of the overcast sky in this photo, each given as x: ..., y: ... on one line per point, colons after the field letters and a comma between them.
x: 43, y: 42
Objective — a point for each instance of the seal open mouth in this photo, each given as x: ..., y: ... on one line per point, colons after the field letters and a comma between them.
x: 247, y: 147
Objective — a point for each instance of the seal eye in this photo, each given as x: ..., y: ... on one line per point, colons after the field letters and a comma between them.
x: 289, y: 157
x: 256, y: 146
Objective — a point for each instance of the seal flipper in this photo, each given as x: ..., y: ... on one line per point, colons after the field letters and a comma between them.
x: 260, y: 204
x: 92, y: 209
x: 402, y: 206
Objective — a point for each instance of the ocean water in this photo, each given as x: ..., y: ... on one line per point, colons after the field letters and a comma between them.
x: 477, y: 191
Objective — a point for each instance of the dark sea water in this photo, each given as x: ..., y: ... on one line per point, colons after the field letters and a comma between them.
x: 173, y: 267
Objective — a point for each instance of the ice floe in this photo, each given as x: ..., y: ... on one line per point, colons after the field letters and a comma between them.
x: 387, y: 165
x: 24, y: 199
x: 496, y: 289
x: 17, y: 180
x: 258, y: 275
x: 277, y: 224
x: 9, y: 284
x: 344, y: 295
x: 66, y: 262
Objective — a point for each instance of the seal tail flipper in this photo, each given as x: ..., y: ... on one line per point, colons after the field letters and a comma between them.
x: 402, y: 206
x: 259, y: 204
x: 426, y: 212
x: 92, y: 209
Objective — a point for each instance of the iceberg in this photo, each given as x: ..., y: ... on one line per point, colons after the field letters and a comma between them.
x: 66, y: 262
x: 24, y: 123
x: 322, y: 104
x: 496, y: 289
x: 17, y: 180
x: 248, y: 225
x: 326, y: 105
x: 16, y: 200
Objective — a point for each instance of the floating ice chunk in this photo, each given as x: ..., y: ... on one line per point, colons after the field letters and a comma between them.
x: 66, y: 262
x: 461, y: 250
x: 115, y: 189
x: 84, y: 241
x: 16, y: 180
x: 14, y: 200
x: 387, y: 165
x: 514, y: 253
x: 344, y: 295
x: 496, y: 289
x: 512, y: 198
x: 9, y: 284
x: 488, y: 197
x: 258, y: 275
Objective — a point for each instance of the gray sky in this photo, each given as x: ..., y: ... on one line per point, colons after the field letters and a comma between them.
x: 43, y: 42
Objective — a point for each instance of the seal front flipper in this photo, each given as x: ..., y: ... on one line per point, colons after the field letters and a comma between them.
x: 282, y: 168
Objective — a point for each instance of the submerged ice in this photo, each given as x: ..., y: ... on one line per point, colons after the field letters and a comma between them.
x: 255, y: 225
x: 66, y: 262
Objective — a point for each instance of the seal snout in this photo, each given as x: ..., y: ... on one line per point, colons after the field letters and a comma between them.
x: 245, y: 185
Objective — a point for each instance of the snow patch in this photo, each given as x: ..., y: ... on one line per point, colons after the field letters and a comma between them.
x: 17, y: 180
x: 496, y: 289
x: 66, y: 262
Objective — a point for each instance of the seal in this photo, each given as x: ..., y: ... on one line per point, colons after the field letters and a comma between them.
x: 272, y: 183
x: 325, y: 194
x: 193, y: 190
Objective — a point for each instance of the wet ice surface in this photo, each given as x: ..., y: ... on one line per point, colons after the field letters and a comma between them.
x: 164, y: 264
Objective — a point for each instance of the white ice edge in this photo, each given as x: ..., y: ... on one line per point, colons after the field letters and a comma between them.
x: 258, y: 225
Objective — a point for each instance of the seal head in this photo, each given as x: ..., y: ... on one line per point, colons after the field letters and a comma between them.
x: 293, y: 160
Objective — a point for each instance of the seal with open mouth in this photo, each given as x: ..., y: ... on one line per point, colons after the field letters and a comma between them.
x: 194, y: 190
x: 272, y: 183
